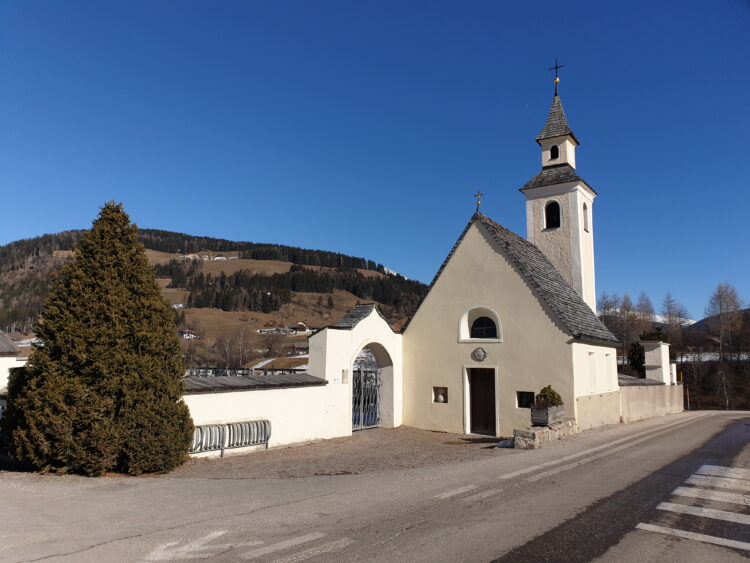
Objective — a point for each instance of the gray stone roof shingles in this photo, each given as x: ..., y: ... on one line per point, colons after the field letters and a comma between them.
x: 557, y: 123
x: 553, y: 175
x: 353, y: 317
x: 548, y: 284
x: 7, y: 348
x: 226, y: 383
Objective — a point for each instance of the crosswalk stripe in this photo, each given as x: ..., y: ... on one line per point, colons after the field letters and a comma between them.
x: 705, y: 512
x: 719, y: 471
x: 723, y: 482
x: 721, y: 496
x: 330, y: 547
x: 693, y: 536
x: 255, y: 553
x: 455, y: 492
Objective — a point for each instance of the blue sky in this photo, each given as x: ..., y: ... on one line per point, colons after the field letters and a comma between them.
x: 365, y: 127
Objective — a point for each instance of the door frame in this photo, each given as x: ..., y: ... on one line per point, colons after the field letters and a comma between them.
x: 467, y: 395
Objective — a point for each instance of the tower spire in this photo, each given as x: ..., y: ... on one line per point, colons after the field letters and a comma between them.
x: 557, y: 123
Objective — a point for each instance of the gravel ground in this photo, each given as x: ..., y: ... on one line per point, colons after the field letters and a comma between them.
x: 366, y: 451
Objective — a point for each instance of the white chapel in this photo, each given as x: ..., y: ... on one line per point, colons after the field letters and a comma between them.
x: 504, y: 317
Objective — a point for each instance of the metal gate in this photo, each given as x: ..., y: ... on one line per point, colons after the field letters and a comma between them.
x: 365, y: 398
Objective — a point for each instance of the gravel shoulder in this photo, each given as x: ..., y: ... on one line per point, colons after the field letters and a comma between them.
x: 366, y: 451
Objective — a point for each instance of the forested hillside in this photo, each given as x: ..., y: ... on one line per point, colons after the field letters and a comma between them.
x: 243, y: 291
x: 26, y: 266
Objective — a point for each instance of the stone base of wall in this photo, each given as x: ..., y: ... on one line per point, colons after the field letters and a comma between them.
x: 537, y: 436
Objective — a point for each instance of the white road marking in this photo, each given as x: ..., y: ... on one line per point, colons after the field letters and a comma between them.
x: 605, y: 453
x: 598, y: 448
x: 330, y: 547
x: 718, y: 471
x: 482, y: 495
x: 255, y: 553
x: 693, y: 536
x: 705, y: 512
x: 721, y: 496
x: 455, y: 492
x: 722, y: 482
x: 195, y: 549
x: 171, y: 550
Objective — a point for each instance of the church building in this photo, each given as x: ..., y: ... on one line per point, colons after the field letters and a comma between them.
x: 504, y: 317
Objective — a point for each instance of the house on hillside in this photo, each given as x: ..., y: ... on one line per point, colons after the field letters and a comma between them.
x: 188, y: 334
x: 10, y: 357
x: 300, y: 328
x: 291, y: 364
x: 504, y: 317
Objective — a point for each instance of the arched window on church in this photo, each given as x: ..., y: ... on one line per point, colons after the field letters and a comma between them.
x: 585, y: 217
x: 552, y: 215
x: 480, y: 323
x: 554, y: 152
x: 483, y: 327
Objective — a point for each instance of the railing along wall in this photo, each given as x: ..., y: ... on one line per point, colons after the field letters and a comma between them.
x: 220, y: 437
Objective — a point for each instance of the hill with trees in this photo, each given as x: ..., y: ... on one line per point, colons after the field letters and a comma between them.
x: 26, y: 267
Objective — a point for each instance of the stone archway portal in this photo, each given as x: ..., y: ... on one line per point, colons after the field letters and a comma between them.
x: 371, y: 369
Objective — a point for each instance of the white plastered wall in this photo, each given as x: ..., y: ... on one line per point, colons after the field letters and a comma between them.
x: 6, y: 364
x: 656, y: 361
x: 596, y: 389
x: 534, y: 350
x: 298, y: 414
x: 332, y: 353
x: 569, y: 247
x: 567, y: 151
x: 595, y: 369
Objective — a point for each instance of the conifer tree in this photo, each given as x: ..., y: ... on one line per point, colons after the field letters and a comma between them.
x: 102, y: 389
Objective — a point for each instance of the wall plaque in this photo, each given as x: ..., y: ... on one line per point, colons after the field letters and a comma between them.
x: 479, y: 355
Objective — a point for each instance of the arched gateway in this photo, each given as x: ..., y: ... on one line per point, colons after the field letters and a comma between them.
x: 361, y: 352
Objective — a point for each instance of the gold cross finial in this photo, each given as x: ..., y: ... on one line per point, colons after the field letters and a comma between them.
x: 478, y: 195
x: 557, y: 67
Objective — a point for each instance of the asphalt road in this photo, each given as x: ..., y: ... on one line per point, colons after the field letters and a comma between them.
x: 671, y: 489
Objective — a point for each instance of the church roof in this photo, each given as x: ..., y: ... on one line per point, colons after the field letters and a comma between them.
x: 557, y: 123
x: 545, y: 280
x: 553, y: 175
x: 7, y: 348
x: 353, y: 317
x: 548, y: 284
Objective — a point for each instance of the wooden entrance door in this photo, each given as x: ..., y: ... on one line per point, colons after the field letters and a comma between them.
x: 482, y: 401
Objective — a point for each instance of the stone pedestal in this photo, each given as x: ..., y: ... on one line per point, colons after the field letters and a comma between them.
x: 537, y: 436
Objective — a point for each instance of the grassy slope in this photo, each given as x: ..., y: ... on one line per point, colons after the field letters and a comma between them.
x: 305, y: 307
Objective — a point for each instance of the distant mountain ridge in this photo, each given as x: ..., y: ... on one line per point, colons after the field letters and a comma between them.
x: 26, y: 266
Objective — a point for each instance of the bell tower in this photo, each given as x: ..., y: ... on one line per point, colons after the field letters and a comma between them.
x: 559, y: 205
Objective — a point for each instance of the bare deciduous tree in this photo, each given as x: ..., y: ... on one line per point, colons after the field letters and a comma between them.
x: 234, y: 349
x: 724, y: 311
x: 675, y: 315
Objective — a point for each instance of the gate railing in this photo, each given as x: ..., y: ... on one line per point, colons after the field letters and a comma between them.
x: 365, y: 399
x: 220, y: 437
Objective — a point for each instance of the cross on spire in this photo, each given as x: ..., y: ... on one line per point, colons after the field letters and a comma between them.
x: 557, y: 78
x: 478, y: 195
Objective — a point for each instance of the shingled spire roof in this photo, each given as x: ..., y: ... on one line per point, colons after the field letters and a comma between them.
x: 557, y: 123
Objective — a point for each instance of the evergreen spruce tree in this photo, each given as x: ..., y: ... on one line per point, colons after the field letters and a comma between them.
x: 102, y: 389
